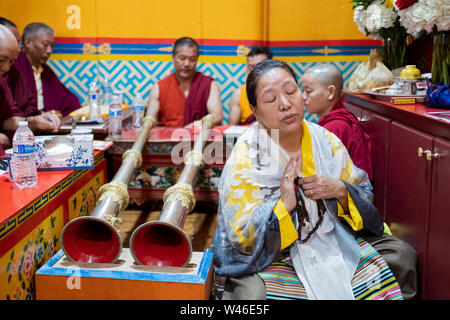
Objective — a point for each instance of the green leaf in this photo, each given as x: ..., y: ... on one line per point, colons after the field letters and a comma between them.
x: 12, y: 254
x: 8, y: 267
x: 25, y: 248
x: 9, y: 278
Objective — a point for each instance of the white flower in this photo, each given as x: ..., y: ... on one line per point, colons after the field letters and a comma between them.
x: 375, y: 17
x: 423, y: 15
x: 358, y: 17
x: 379, y: 16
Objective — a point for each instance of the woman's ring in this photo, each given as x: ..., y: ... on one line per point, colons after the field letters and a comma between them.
x: 286, y: 176
x: 311, y: 193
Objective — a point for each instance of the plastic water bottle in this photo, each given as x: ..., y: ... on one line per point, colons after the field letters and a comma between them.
x: 138, y: 111
x: 107, y: 92
x: 94, y: 100
x: 24, y: 147
x: 115, y: 116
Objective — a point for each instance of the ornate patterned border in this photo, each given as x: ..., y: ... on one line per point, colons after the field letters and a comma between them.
x: 132, y: 76
x: 14, y: 222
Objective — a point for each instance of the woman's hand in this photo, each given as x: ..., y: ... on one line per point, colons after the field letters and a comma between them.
x: 324, y: 187
x: 287, y: 184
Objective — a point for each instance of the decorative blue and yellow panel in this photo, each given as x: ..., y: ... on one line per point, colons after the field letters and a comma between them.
x: 130, y: 42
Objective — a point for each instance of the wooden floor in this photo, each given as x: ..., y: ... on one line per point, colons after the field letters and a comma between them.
x: 200, y: 224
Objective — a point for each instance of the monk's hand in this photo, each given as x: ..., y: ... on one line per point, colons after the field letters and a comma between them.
x: 40, y: 122
x: 54, y: 119
x: 323, y: 187
x: 287, y: 184
x: 4, y: 141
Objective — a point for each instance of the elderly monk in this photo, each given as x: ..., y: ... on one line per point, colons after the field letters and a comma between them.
x: 50, y: 92
x: 12, y: 27
x: 22, y: 94
x: 322, y: 85
x: 10, y: 114
x: 185, y: 95
x: 240, y: 112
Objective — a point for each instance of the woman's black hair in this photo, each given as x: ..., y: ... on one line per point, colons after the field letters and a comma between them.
x: 262, y: 68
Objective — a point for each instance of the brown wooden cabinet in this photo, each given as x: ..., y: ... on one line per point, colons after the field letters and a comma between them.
x: 408, y: 188
x: 437, y: 277
x: 378, y: 128
x: 411, y: 158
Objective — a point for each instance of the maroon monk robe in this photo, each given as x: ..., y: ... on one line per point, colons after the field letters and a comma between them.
x: 347, y: 128
x: 8, y: 107
x: 22, y: 94
x: 56, y: 95
x: 195, y: 105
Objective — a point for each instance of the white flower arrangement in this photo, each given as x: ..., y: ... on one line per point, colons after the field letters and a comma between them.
x: 376, y: 16
x: 424, y: 15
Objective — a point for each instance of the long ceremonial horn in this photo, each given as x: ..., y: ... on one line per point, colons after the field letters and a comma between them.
x: 163, y: 242
x: 96, y: 238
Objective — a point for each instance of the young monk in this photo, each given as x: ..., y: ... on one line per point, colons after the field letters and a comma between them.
x: 322, y: 93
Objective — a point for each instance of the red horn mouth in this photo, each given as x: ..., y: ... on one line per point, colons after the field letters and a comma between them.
x: 89, y: 239
x: 160, y: 244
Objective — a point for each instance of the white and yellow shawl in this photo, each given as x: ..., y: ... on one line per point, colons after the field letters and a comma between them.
x: 253, y: 225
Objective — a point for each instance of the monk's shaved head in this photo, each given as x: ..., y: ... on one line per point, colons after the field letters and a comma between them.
x: 9, y: 49
x: 6, y: 36
x: 327, y: 75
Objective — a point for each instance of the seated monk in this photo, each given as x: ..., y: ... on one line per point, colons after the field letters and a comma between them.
x: 292, y: 206
x: 185, y: 95
x: 50, y: 92
x: 23, y: 96
x: 240, y: 112
x: 322, y: 95
x: 10, y: 114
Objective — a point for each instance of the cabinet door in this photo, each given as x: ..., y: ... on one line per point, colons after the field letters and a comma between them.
x: 377, y: 127
x: 408, y: 188
x: 438, y: 260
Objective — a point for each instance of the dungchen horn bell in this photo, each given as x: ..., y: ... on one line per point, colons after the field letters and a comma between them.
x: 163, y: 242
x: 95, y: 238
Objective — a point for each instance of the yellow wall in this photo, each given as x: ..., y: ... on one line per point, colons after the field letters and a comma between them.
x: 293, y: 20
x: 273, y: 20
x: 225, y: 29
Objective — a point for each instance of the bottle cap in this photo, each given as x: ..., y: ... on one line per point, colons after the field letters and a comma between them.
x: 23, y: 123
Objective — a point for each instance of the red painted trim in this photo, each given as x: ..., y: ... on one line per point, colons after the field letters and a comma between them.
x: 32, y: 222
x: 223, y: 42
